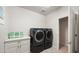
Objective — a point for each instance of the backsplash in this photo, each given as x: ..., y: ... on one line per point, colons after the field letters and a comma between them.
x: 15, y: 35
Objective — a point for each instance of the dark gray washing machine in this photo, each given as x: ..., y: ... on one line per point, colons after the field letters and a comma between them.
x: 37, y: 40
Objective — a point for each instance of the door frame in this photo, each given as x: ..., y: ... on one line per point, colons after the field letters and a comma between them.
x: 71, y: 30
x: 59, y: 29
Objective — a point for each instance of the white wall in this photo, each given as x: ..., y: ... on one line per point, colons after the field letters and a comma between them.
x: 20, y: 19
x: 3, y: 36
x: 52, y: 21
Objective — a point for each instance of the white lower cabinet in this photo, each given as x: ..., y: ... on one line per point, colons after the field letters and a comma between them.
x: 22, y: 46
x: 25, y: 46
x: 11, y: 47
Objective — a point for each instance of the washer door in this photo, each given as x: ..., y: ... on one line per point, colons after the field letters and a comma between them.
x: 48, y: 34
x: 39, y: 36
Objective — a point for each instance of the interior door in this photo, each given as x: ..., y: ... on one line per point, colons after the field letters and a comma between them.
x: 77, y: 33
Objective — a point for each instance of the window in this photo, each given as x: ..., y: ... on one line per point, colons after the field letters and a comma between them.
x: 1, y: 15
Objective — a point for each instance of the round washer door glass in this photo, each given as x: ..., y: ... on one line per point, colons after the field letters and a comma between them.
x: 39, y: 36
x: 49, y: 34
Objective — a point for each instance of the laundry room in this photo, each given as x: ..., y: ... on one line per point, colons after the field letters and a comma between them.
x: 34, y: 29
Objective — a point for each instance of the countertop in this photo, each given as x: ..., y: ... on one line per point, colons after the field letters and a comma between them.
x: 17, y: 39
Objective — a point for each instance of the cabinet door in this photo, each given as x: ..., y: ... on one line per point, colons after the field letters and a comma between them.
x: 25, y: 46
x: 11, y: 47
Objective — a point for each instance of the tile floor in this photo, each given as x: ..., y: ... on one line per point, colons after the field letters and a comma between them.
x: 53, y: 50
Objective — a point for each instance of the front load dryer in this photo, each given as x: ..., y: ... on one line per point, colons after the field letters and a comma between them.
x: 48, y: 38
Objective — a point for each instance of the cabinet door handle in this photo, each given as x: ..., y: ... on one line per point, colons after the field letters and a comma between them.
x: 20, y: 46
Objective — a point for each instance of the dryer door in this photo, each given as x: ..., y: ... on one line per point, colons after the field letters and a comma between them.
x: 49, y: 34
x: 39, y: 36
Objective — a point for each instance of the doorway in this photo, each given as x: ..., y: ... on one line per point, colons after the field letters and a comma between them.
x: 63, y: 34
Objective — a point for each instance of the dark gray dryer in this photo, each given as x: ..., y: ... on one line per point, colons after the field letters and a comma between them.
x: 48, y: 38
x: 37, y: 40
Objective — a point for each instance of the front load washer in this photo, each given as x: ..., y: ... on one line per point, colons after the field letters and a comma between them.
x: 48, y: 38
x: 37, y: 40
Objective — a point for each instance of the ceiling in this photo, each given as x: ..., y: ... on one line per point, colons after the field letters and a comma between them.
x: 45, y: 10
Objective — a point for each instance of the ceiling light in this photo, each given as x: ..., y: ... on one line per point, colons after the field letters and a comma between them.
x: 44, y: 8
